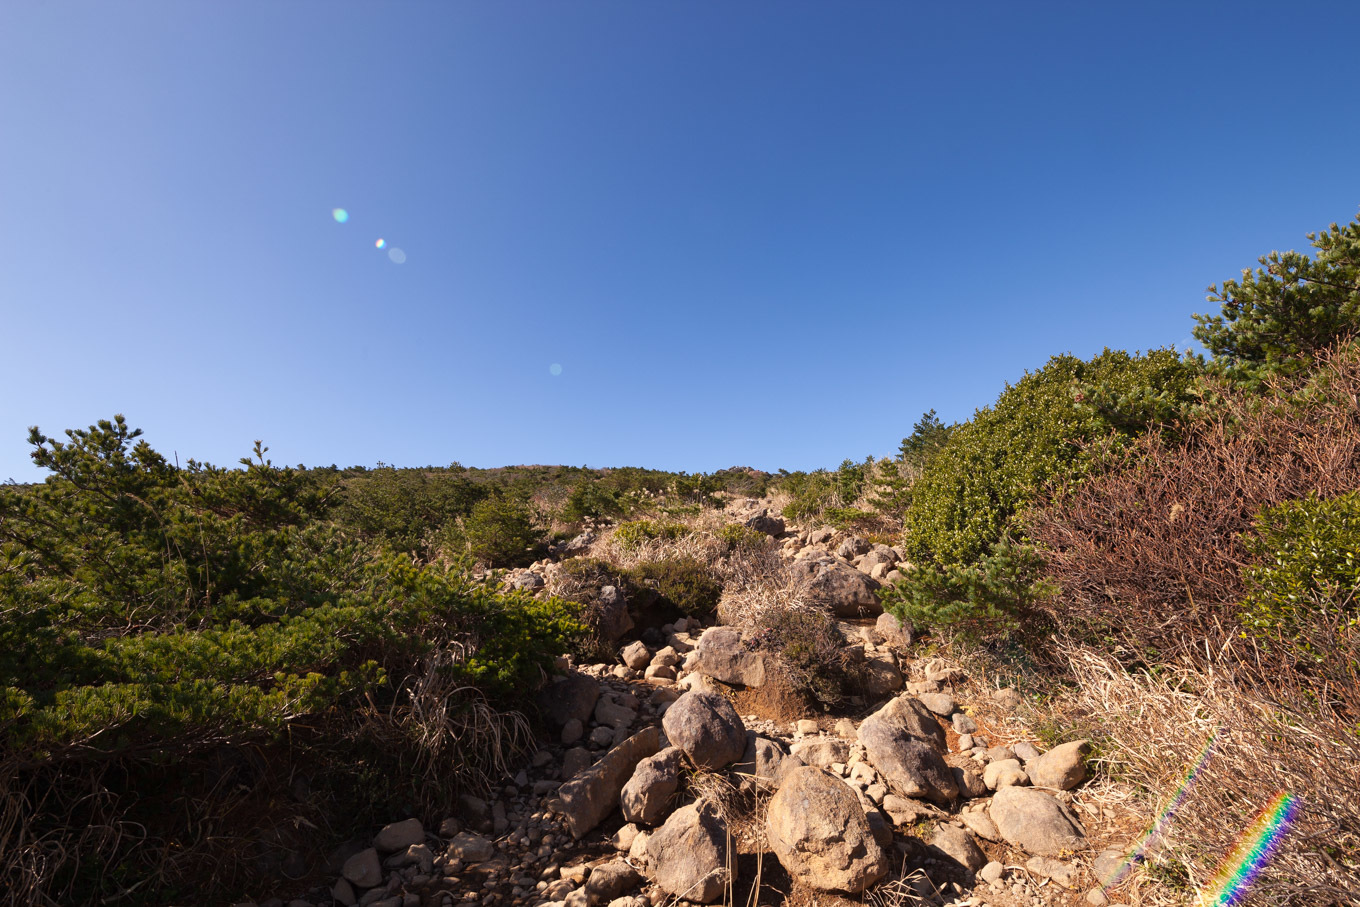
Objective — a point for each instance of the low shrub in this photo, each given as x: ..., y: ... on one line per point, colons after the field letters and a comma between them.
x: 987, y: 598
x: 156, y: 618
x: 1151, y: 549
x: 812, y: 650
x: 1307, y: 561
x: 636, y: 533
x: 687, y: 583
x: 848, y: 519
x: 500, y: 532
x: 1034, y: 436
x: 737, y: 536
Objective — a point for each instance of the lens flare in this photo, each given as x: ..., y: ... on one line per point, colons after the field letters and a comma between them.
x: 382, y: 243
x: 397, y: 256
x: 555, y: 369
x: 1254, y: 849
x: 340, y: 215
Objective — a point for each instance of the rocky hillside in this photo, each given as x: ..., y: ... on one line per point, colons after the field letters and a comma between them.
x: 683, y: 770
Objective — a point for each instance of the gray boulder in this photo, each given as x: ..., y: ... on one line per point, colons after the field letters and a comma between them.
x: 894, y: 632
x: 912, y: 767
x: 881, y: 676
x: 689, y: 853
x: 609, y: 881
x: 846, y: 591
x: 820, y: 834
x: 363, y: 869
x: 764, y: 522
x: 586, y: 799
x: 821, y: 751
x: 910, y: 716
x: 723, y: 656
x: 761, y: 762
x: 646, y: 794
x: 399, y: 835
x: 612, y: 619
x: 1063, y: 767
x: 572, y: 695
x: 636, y: 656
x: 957, y: 845
x: 707, y: 728
x: 1035, y: 822
x: 853, y: 547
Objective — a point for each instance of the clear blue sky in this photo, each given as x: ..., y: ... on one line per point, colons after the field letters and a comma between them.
x: 749, y: 233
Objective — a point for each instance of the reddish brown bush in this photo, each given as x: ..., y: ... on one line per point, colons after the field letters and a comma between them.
x: 1150, y: 550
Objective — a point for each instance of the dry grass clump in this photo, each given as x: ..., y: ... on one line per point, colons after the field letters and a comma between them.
x: 1151, y: 729
x: 757, y: 582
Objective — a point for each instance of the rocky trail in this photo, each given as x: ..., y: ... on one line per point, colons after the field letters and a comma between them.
x: 669, y: 779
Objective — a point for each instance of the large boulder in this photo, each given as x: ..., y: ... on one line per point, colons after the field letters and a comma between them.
x: 881, y: 676
x: 904, y: 742
x: 399, y: 836
x: 846, y: 591
x: 586, y: 799
x: 689, y: 853
x: 766, y: 523
x: 819, y: 832
x: 912, y: 767
x: 723, y: 656
x: 1035, y: 822
x: 572, y: 695
x: 646, y: 794
x: 609, y: 881
x: 1063, y: 767
x: 707, y: 728
x: 912, y: 717
x: 612, y: 619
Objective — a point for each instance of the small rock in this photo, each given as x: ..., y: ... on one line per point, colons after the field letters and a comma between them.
x: 609, y: 881
x: 471, y: 848
x: 1008, y: 698
x: 636, y: 656
x: 1063, y: 767
x: 941, y: 704
x: 1065, y: 874
x: 957, y: 845
x: 1026, y: 751
x: 992, y: 872
x: 363, y: 869
x: 1097, y: 898
x: 399, y: 835
x: 1006, y: 773
x: 822, y: 752
x: 647, y: 792
x: 963, y: 724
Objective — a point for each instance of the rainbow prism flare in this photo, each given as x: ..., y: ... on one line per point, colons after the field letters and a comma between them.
x: 1254, y: 849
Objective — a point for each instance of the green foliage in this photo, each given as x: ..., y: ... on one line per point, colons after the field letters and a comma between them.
x: 407, y: 508
x: 1277, y: 318
x: 815, y: 492
x: 1307, y: 557
x: 848, y: 518
x: 813, y: 651
x: 636, y: 533
x: 500, y: 532
x: 685, y: 582
x: 737, y: 536
x: 591, y: 501
x: 151, y: 614
x: 991, y: 466
x: 142, y: 601
x: 928, y: 437
x: 989, y: 597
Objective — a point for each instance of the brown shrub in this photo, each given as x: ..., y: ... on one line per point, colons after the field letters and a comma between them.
x: 1150, y: 549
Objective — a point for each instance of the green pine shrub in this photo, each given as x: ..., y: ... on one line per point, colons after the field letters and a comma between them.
x: 991, y: 597
x: 1306, y: 557
x: 1034, y: 436
x: 500, y: 532
x: 151, y: 615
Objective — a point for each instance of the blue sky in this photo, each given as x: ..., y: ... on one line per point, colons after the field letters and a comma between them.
x: 768, y: 234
